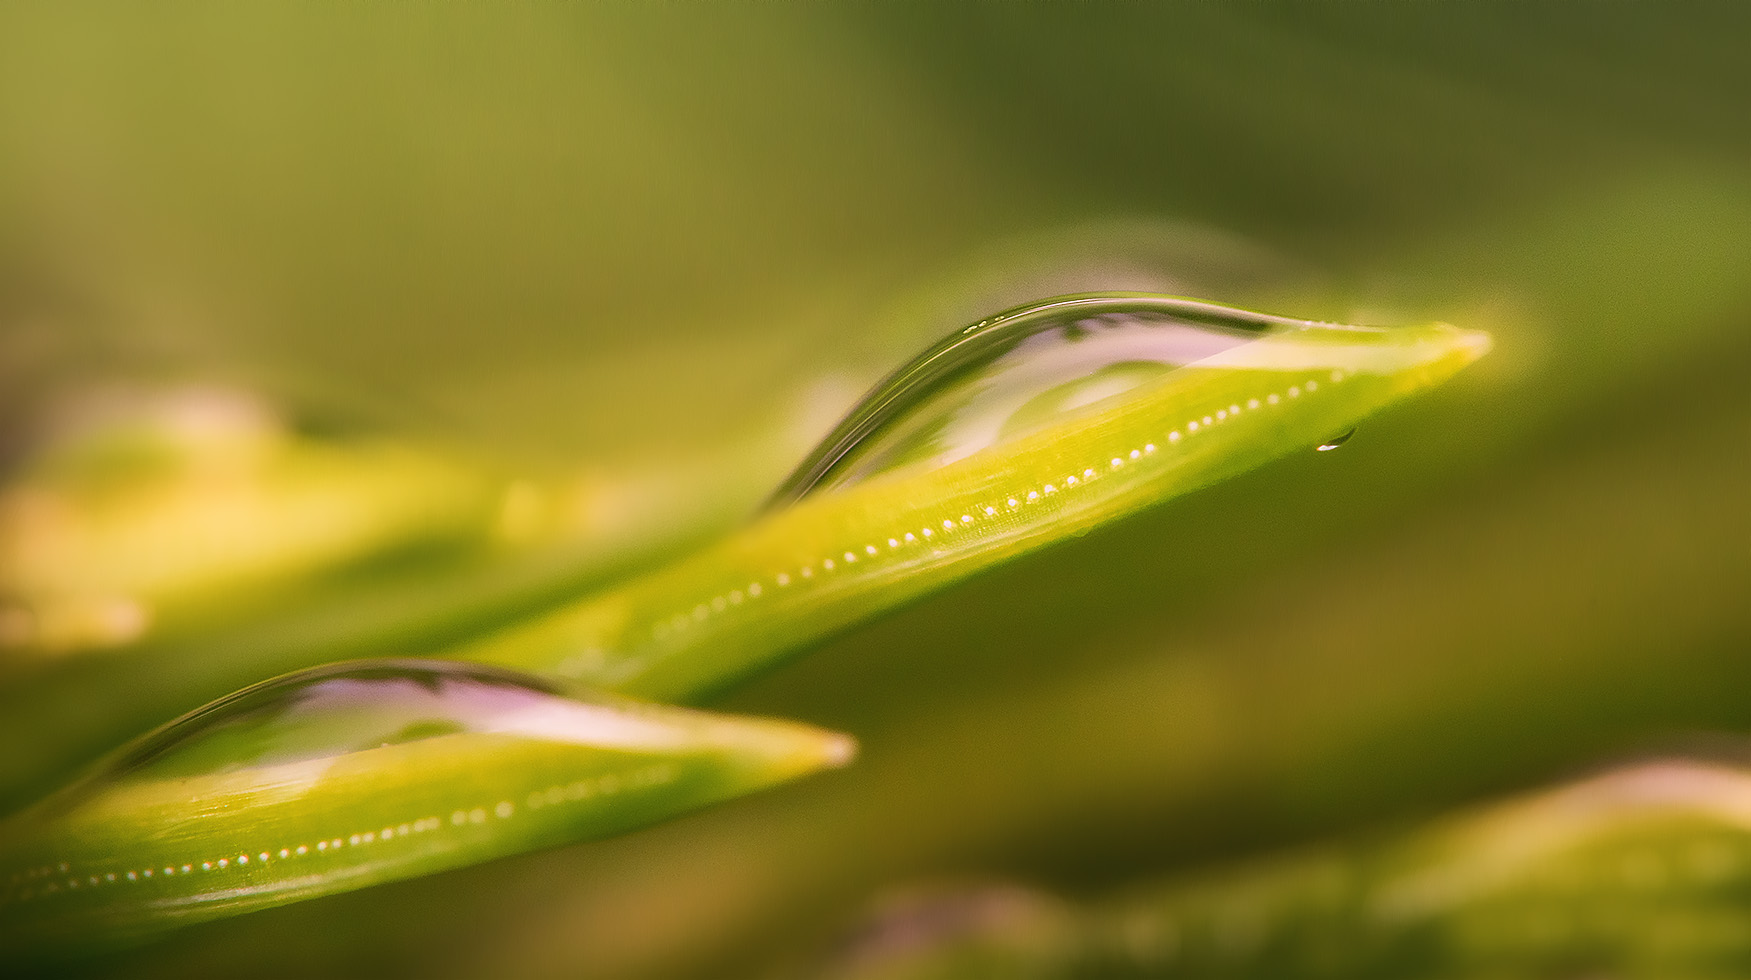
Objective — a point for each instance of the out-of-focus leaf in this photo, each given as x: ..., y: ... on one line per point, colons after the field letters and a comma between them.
x: 1641, y: 873
x: 179, y: 506
x: 954, y: 932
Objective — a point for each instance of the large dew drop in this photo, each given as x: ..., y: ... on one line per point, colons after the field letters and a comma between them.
x: 346, y: 708
x: 1018, y: 372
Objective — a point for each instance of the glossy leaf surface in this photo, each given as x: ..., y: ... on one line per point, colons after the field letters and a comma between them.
x: 1024, y: 429
x: 345, y: 776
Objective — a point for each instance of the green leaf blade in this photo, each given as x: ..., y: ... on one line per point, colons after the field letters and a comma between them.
x: 836, y: 557
x: 352, y: 775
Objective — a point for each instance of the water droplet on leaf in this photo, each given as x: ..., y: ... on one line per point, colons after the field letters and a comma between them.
x: 353, y: 707
x: 1034, y: 367
x: 1335, y: 441
x: 1016, y: 373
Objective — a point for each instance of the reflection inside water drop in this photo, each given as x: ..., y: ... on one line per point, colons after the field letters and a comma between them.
x: 351, y: 707
x: 1335, y: 441
x: 1016, y: 373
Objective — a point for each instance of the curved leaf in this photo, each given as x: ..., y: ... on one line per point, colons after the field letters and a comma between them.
x: 348, y: 775
x: 1057, y: 460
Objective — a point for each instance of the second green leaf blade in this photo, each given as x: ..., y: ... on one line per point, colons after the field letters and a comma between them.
x: 349, y: 775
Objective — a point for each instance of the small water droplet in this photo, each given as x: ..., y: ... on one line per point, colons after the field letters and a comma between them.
x: 1335, y: 441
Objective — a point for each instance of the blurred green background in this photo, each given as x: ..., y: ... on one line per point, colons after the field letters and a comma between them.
x: 550, y: 236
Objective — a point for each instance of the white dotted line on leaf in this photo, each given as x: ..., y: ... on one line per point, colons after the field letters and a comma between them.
x: 60, y: 876
x: 898, y: 541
